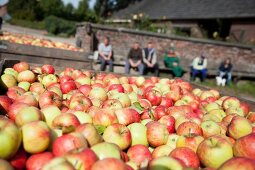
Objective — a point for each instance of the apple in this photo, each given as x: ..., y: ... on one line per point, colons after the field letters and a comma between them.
x: 138, y: 134
x: 167, y: 102
x: 37, y: 161
x: 5, y: 103
x: 7, y: 81
x: 90, y: 133
x: 21, y: 66
x: 27, y: 76
x: 106, y: 150
x: 14, y: 92
x: 215, y: 115
x: 118, y: 87
x: 210, y: 128
x: 64, y: 144
x: 49, y: 98
x: 24, y: 85
x: 123, y: 98
x: 5, y: 165
x: 246, y: 108
x: 163, y: 150
x: 139, y: 154
x: 214, y: 151
x: 50, y: 112
x: 188, y: 127
x: 157, y: 133
x: 112, y: 104
x: 80, y: 103
x: 19, y: 160
x: 83, y: 80
x: 244, y: 146
x: 65, y: 78
x: 10, y: 136
x: 172, y: 139
x: 212, y: 106
x: 48, y: 69
x: 159, y: 111
x: 37, y: 88
x: 105, y: 117
x: 68, y: 86
x: 239, y: 163
x: 58, y: 163
x: 56, y: 90
x: 231, y: 102
x: 85, y: 89
x: 251, y: 117
x: 36, y: 137
x: 187, y: 156
x: 118, y: 134
x: 66, y: 121
x: 169, y: 121
x: 49, y: 79
x: 191, y: 141
x: 29, y: 99
x: 165, y: 162
x: 37, y: 70
x: 110, y: 163
x: 206, y: 94
x: 11, y: 71
x: 127, y: 116
x: 14, y: 109
x: 239, y: 127
x: 154, y: 97
x: 98, y: 93
x: 82, y: 116
x: 82, y: 158
x: 28, y: 114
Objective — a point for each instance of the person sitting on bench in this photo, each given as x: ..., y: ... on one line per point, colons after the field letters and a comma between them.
x: 135, y: 59
x: 3, y: 12
x: 225, y: 70
x: 150, y: 59
x: 172, y: 62
x: 106, y: 54
x: 199, y: 66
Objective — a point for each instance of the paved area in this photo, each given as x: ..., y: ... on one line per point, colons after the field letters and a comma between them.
x: 37, y: 33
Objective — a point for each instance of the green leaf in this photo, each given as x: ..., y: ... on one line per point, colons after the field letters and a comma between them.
x: 100, y: 129
x: 138, y: 106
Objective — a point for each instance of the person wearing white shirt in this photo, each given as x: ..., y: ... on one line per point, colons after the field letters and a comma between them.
x: 199, y: 66
x: 3, y: 11
x: 106, y: 54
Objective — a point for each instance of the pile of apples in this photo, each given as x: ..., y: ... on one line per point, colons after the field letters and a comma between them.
x: 35, y: 41
x: 79, y: 120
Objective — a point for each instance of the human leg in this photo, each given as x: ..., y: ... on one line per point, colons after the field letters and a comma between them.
x: 127, y: 67
x: 110, y: 63
x: 203, y: 75
x: 141, y: 68
x: 103, y: 63
x: 156, y: 70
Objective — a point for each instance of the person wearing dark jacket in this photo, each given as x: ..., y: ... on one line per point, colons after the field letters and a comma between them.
x: 3, y: 12
x: 135, y: 59
x: 150, y: 59
x: 225, y: 70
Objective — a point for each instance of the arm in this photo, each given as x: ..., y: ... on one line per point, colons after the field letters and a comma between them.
x: 110, y: 54
x: 144, y: 59
x: 100, y: 51
x: 154, y: 58
x: 205, y: 63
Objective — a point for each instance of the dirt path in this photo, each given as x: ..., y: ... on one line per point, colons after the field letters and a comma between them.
x: 37, y: 33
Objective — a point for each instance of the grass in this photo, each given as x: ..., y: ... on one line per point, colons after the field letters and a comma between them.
x: 30, y: 24
x: 242, y: 87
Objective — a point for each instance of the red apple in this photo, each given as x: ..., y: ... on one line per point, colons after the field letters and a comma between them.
x: 110, y: 163
x: 85, y: 89
x: 65, y: 78
x: 80, y: 103
x: 49, y: 98
x: 28, y: 114
x: 159, y: 112
x: 112, y: 104
x: 19, y: 160
x: 66, y: 121
x: 15, y: 108
x: 246, y: 109
x: 37, y: 161
x: 239, y: 163
x: 187, y: 156
x: 139, y: 154
x: 14, y: 92
x: 189, y: 127
x: 245, y: 146
x: 191, y: 141
x: 27, y: 99
x: 105, y: 117
x: 5, y: 103
x: 37, y: 88
x: 231, y: 102
x: 157, y: 133
x: 117, y: 87
x: 165, y: 162
x: 154, y: 97
x: 127, y: 116
x: 169, y: 121
x: 64, y: 144
x: 68, y: 86
x: 27, y: 76
x: 48, y: 69
x: 21, y: 66
x: 167, y: 102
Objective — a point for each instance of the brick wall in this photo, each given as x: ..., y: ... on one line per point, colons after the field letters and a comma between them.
x: 243, y: 56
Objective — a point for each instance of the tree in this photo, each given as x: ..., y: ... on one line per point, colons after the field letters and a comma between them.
x: 52, y: 7
x: 82, y: 10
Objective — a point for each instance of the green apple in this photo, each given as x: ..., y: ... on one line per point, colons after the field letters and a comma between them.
x: 239, y: 127
x: 98, y: 93
x: 49, y: 79
x: 138, y: 134
x: 145, y: 121
x: 24, y: 85
x: 58, y: 163
x: 163, y: 150
x: 106, y: 150
x: 36, y: 137
x: 28, y: 114
x: 7, y: 81
x: 191, y: 141
x: 210, y: 128
x: 83, y: 117
x: 133, y: 97
x: 123, y: 98
x: 10, y: 138
x: 215, y: 115
x: 172, y: 140
x: 214, y: 151
x: 165, y: 163
x: 50, y: 112
x: 11, y: 71
x: 5, y: 165
x: 212, y: 106
x: 235, y: 110
x: 132, y: 165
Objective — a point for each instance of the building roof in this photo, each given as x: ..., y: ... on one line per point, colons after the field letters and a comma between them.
x: 190, y: 9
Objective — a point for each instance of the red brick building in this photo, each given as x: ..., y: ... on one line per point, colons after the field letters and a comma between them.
x: 230, y: 19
